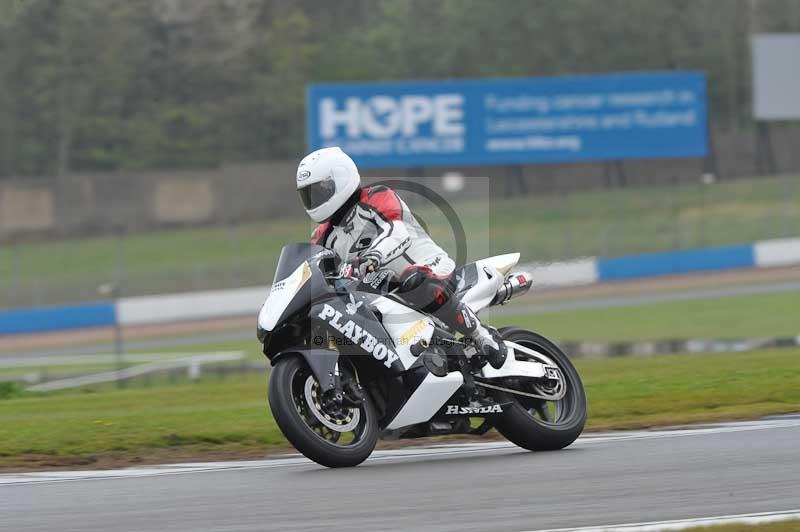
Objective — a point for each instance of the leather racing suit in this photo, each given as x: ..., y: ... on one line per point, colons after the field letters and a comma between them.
x: 375, y: 224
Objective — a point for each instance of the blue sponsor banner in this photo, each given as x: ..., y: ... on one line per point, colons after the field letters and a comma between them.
x: 676, y: 262
x: 45, y: 319
x: 512, y: 121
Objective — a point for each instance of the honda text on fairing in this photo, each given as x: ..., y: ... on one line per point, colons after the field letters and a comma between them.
x: 352, y: 361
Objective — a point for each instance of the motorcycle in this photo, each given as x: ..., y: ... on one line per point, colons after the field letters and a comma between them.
x: 353, y: 362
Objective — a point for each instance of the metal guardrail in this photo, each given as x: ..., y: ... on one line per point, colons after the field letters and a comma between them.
x: 193, y: 364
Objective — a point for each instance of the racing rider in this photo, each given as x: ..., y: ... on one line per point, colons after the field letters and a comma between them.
x: 372, y: 229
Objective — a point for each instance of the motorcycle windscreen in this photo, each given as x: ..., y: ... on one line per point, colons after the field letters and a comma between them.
x: 292, y: 256
x: 297, y: 282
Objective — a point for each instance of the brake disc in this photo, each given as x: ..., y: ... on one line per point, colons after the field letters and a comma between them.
x: 345, y: 422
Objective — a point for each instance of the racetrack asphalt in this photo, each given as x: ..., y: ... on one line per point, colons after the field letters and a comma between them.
x: 602, y: 479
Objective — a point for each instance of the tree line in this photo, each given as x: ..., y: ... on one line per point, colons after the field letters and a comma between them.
x: 116, y: 85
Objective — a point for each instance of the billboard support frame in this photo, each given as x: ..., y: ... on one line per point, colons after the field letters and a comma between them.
x: 710, y: 165
x: 765, y: 154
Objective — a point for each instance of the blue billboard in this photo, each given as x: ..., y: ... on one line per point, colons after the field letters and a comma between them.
x: 512, y: 121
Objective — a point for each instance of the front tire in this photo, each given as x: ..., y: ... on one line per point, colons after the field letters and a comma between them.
x: 305, y: 429
x: 534, y: 424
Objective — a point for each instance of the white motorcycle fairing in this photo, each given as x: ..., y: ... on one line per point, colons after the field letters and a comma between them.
x: 427, y: 399
x: 407, y: 327
x: 513, y: 367
x: 280, y: 295
x: 491, y: 273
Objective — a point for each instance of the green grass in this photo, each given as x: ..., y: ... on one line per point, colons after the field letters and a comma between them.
x: 650, y: 218
x: 10, y: 390
x: 757, y: 316
x: 646, y: 391
x: 144, y: 263
x: 206, y: 415
x: 606, y: 222
x: 231, y: 416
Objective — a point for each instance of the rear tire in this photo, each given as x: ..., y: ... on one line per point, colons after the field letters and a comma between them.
x: 286, y: 408
x: 520, y: 426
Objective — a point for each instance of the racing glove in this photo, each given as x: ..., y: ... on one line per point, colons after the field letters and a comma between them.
x: 360, y: 266
x: 368, y: 263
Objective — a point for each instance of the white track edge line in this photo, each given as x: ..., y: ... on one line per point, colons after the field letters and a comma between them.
x: 683, y: 524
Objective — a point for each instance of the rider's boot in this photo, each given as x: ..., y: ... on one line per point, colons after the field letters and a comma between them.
x: 486, y: 338
x: 458, y: 315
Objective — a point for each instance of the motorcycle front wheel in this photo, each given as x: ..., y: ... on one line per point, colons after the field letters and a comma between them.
x: 324, y: 431
x: 538, y: 424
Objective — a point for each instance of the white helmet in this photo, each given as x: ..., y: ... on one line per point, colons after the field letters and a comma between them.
x: 326, y: 178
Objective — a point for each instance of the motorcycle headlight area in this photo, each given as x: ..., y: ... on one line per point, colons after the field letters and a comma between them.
x: 281, y: 294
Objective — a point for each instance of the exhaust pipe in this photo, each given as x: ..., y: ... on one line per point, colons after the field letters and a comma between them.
x: 515, y: 285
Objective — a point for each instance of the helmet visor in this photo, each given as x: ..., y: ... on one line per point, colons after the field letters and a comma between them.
x: 317, y: 193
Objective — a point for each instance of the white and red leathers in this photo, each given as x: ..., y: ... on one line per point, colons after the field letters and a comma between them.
x: 375, y: 225
x: 379, y: 225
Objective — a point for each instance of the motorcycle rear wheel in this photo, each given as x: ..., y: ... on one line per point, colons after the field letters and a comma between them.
x: 536, y: 424
x: 319, y: 433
